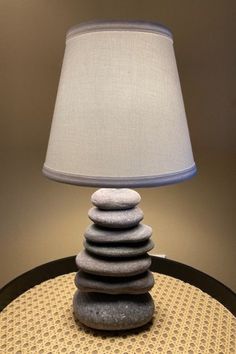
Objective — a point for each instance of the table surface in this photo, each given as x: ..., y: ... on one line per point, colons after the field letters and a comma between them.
x: 186, y: 319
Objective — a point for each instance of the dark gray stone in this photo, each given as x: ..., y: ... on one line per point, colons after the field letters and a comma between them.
x: 138, y: 284
x: 116, y: 218
x: 115, y: 199
x: 119, y: 250
x: 98, y: 234
x: 116, y: 267
x: 113, y: 312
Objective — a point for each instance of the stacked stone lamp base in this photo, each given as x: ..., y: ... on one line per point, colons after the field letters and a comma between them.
x: 114, y: 278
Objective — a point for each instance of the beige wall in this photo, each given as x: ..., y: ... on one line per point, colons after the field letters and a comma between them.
x: 193, y: 222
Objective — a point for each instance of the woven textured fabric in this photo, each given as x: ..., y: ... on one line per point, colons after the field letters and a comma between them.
x: 119, y: 111
x: 186, y: 320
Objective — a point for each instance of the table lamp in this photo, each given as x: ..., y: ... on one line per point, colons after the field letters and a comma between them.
x: 119, y: 123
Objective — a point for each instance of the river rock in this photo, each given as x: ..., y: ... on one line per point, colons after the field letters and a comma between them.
x: 116, y: 267
x: 98, y: 234
x: 113, y: 312
x: 119, y: 219
x: 138, y: 284
x: 115, y: 199
x: 119, y: 250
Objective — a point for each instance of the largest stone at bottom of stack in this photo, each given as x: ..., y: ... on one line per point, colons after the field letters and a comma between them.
x: 113, y: 312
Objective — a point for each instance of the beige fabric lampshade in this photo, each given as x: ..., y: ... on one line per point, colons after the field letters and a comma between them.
x: 119, y: 117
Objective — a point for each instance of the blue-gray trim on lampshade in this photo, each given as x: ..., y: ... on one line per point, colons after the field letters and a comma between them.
x: 120, y: 182
x: 141, y: 26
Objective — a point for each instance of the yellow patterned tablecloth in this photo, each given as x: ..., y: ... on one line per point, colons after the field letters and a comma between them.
x: 186, y: 320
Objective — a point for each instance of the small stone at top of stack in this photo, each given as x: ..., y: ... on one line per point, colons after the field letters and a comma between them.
x: 115, y: 199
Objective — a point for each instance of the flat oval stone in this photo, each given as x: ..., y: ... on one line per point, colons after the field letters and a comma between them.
x: 119, y: 250
x: 115, y: 199
x: 98, y: 234
x: 116, y: 219
x: 138, y: 284
x: 113, y: 312
x: 112, y: 267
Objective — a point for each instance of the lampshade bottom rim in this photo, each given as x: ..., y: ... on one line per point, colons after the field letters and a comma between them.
x: 120, y: 182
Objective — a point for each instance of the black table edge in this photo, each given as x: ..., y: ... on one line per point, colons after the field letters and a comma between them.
x: 161, y: 265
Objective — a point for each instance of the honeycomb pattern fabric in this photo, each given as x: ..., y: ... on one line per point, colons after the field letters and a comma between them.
x: 186, y: 320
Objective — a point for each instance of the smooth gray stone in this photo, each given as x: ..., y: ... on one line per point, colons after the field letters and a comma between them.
x: 138, y: 233
x: 113, y: 312
x: 112, y: 266
x: 138, y: 284
x: 119, y: 250
x: 116, y: 219
x: 115, y: 199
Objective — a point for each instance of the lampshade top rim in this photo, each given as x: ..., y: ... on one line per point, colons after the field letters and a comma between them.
x: 136, y: 26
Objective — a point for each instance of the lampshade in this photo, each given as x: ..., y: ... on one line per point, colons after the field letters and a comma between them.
x: 119, y: 117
